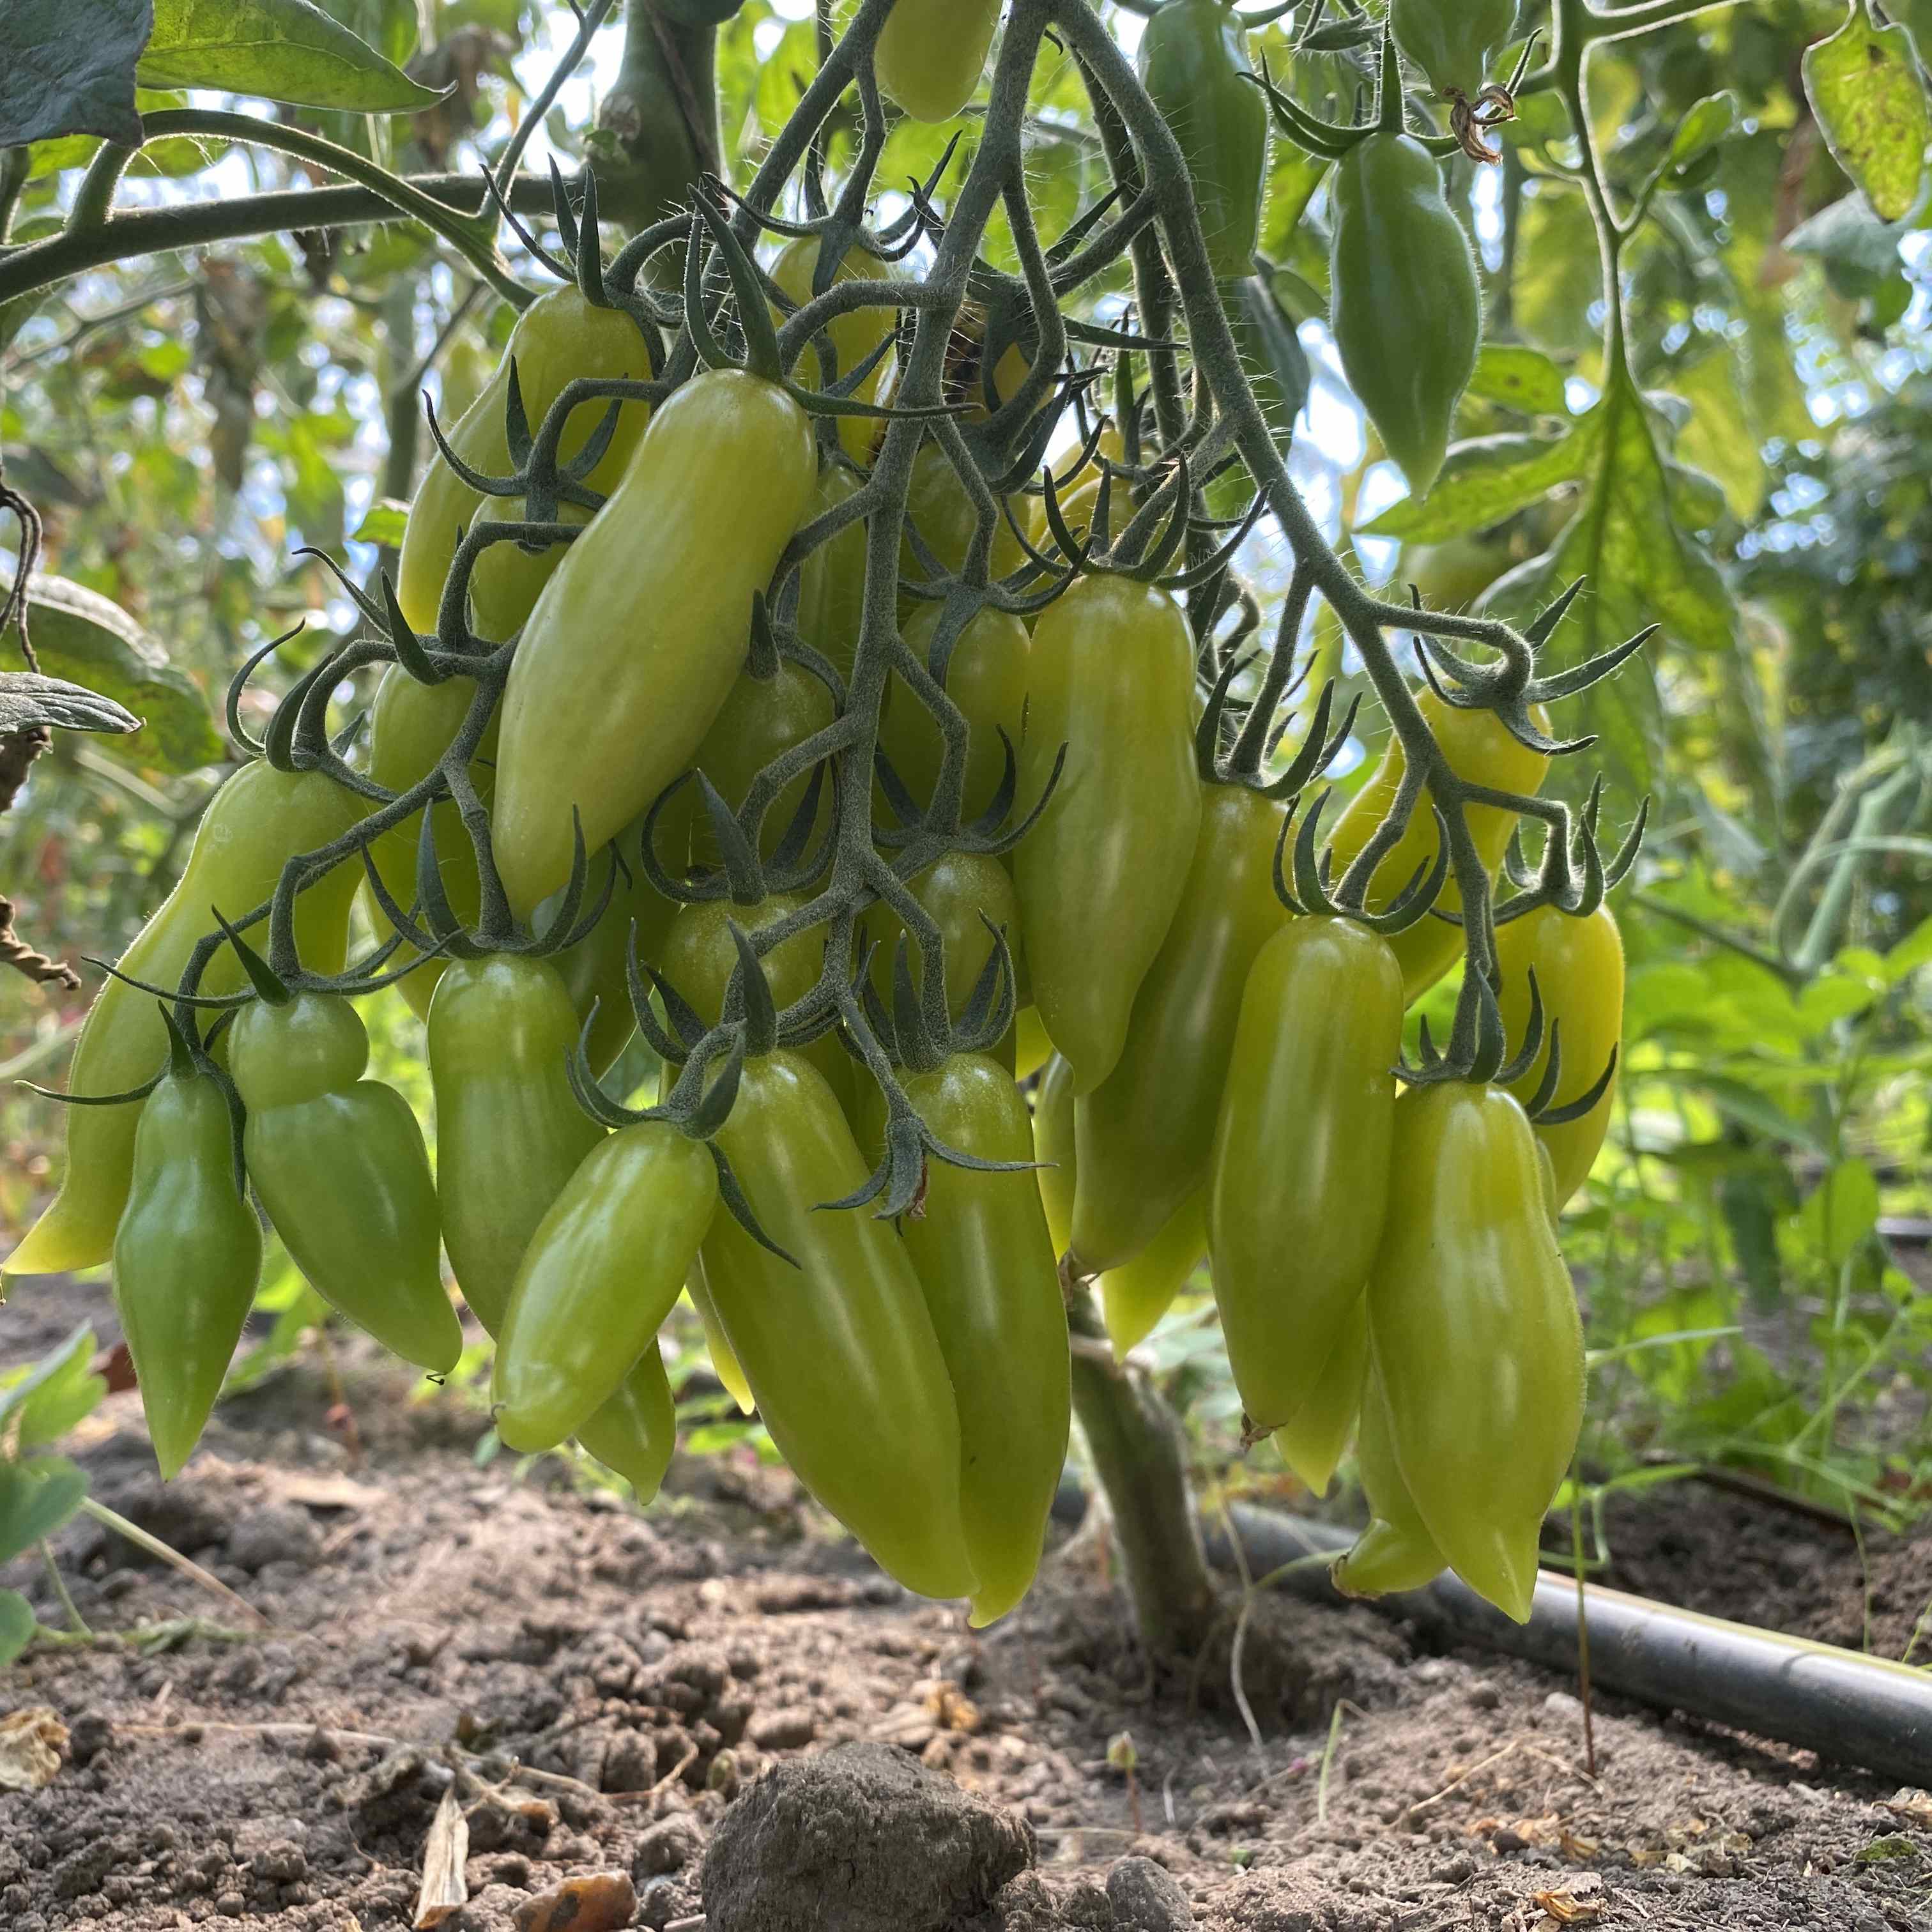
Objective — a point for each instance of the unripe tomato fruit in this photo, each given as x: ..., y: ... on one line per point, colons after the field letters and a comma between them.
x: 1579, y: 965
x: 855, y: 335
x: 1452, y: 41
x: 1406, y: 309
x: 637, y: 640
x: 260, y: 818
x: 986, y: 678
x: 931, y: 54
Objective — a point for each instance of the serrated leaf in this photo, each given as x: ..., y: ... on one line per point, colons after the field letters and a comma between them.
x: 27, y: 699
x: 56, y: 78
x: 1519, y: 378
x: 1864, y: 86
x: 17, y: 1625
x: 1490, y: 478
x: 36, y: 1498
x: 89, y: 640
x: 283, y: 50
x: 383, y: 523
x: 1703, y: 128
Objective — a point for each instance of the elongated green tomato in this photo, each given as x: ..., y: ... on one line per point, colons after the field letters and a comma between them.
x: 1299, y: 1181
x: 411, y: 725
x: 962, y: 891
x: 602, y: 1271
x: 1395, y: 1552
x: 637, y: 640
x: 832, y: 579
x: 1454, y: 42
x: 1132, y: 1298
x: 187, y: 1256
x: 1032, y: 1049
x: 1194, y: 64
x: 260, y: 818
x: 1102, y: 873
x: 1475, y: 1337
x: 1579, y: 965
x: 1479, y: 749
x: 717, y: 1344
x: 986, y: 1261
x: 1146, y: 1134
x: 987, y: 679
x: 854, y: 334
x: 1053, y: 1148
x: 940, y: 507
x: 1407, y: 310
x: 509, y: 1134
x: 840, y: 1351
x: 931, y: 53
x: 1313, y: 1440
x: 560, y: 337
x: 340, y: 1164
x: 1135, y: 1296
x: 699, y: 956
x: 762, y: 719
x: 635, y: 1431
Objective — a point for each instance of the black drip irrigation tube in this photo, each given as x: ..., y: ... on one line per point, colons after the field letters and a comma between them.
x: 1861, y: 1710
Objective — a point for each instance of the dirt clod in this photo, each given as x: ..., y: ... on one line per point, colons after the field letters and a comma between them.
x: 861, y: 1839
x: 1146, y: 1899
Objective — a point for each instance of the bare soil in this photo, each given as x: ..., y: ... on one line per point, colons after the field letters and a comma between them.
x: 597, y: 1687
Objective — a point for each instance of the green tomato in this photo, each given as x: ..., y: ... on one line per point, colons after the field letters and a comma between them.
x: 411, y: 725
x: 509, y: 1132
x: 1406, y: 309
x: 1579, y: 965
x: 717, y: 1343
x: 700, y: 957
x: 1479, y: 749
x: 1146, y: 1134
x: 1312, y: 1442
x: 602, y: 1273
x: 1194, y: 64
x: 560, y: 337
x: 635, y: 1431
x: 987, y: 1264
x: 938, y: 506
x: 832, y: 579
x: 986, y: 678
x: 1102, y: 872
x: 1300, y: 1169
x: 931, y: 54
x: 260, y: 818
x: 1452, y: 41
x: 761, y: 719
x: 1475, y: 1337
x: 854, y: 334
x: 341, y: 1168
x: 839, y: 1350
x: 187, y: 1256
x: 636, y: 642
x: 1395, y: 1552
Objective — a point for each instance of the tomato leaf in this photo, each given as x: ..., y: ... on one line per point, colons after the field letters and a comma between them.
x: 283, y: 50
x: 55, y: 1393
x: 58, y: 77
x: 382, y: 524
x: 1520, y: 378
x: 36, y: 1498
x: 27, y: 699
x: 89, y: 640
x: 17, y: 1625
x: 1864, y: 88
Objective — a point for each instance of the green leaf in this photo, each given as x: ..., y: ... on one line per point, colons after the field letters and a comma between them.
x: 1488, y: 478
x: 59, y: 76
x: 17, y: 1625
x: 27, y: 699
x: 178, y: 155
x: 1843, y: 1212
x: 1703, y: 128
x: 1827, y: 999
x: 1519, y: 378
x: 55, y: 1394
x: 1864, y: 88
x: 383, y: 523
x: 1912, y: 951
x: 283, y: 50
x: 88, y: 640
x: 36, y: 1498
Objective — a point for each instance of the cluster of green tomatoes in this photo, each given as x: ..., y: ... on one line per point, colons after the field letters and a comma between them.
x: 1146, y: 1048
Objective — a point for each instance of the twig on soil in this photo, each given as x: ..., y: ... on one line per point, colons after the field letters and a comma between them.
x: 81, y: 1626
x: 1457, y: 1783
x: 1328, y: 1757
x: 112, y: 1519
